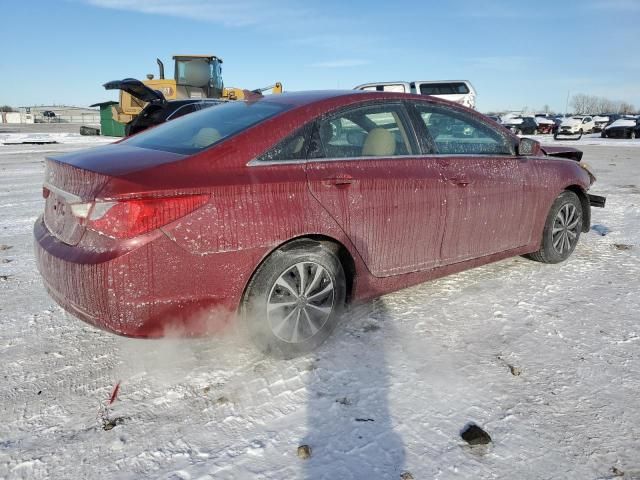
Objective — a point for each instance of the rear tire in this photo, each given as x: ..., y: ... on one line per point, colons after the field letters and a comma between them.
x: 561, y: 230
x: 295, y: 298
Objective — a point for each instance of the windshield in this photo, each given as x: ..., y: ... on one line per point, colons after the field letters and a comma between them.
x: 200, y: 130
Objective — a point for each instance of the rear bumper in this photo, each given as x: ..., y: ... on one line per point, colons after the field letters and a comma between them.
x: 154, y: 290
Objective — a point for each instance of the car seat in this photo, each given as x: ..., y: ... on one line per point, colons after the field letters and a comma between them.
x: 379, y: 143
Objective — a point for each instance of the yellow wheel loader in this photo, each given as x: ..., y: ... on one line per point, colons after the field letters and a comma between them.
x: 195, y: 77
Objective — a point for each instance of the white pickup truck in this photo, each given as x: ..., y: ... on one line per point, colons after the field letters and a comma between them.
x: 459, y: 91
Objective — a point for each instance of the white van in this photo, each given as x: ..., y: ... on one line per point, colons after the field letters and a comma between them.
x: 459, y: 91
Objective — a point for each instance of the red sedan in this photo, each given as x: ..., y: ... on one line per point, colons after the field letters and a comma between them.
x: 282, y: 210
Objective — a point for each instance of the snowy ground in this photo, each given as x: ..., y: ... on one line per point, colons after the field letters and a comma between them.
x: 591, y: 139
x: 388, y: 393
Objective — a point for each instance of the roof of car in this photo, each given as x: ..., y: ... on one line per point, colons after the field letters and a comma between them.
x: 313, y: 96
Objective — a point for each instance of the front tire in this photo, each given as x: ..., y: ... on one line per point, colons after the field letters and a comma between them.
x: 561, y: 230
x: 295, y: 298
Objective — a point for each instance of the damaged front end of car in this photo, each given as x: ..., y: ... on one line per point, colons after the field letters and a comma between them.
x: 571, y: 153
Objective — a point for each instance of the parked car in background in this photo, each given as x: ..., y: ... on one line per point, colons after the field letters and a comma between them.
x: 601, y: 121
x: 156, y: 113
x: 575, y: 125
x: 557, y: 121
x: 622, y: 128
x: 458, y: 91
x: 285, y: 208
x: 157, y: 109
x: 495, y: 118
x: 545, y: 124
x: 521, y: 125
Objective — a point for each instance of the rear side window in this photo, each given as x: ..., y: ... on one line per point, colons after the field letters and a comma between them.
x: 456, y: 133
x: 370, y: 131
x: 454, y: 88
x: 205, y: 128
x: 293, y: 147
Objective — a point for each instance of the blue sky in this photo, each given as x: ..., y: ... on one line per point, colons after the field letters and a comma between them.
x: 515, y: 53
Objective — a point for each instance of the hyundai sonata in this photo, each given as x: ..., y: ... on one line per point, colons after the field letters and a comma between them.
x: 281, y: 211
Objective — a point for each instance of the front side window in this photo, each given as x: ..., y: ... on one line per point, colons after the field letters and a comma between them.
x: 371, y: 131
x: 193, y: 133
x: 456, y: 133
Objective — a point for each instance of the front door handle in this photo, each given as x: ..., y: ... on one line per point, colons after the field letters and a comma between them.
x: 460, y: 181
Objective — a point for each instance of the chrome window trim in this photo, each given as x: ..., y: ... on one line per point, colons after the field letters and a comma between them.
x: 69, y: 197
x: 257, y: 163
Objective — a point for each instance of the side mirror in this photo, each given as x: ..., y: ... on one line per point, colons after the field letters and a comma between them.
x: 528, y: 148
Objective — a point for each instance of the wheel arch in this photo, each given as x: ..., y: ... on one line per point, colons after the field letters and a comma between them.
x: 342, y: 252
x: 586, y: 206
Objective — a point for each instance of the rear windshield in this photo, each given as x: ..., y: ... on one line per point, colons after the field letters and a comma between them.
x: 443, y: 88
x: 200, y: 130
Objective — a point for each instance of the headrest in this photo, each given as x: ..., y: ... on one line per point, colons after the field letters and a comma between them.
x: 379, y: 143
x: 205, y: 137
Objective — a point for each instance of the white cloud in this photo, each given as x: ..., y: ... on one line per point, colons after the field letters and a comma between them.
x: 298, y: 22
x: 233, y: 14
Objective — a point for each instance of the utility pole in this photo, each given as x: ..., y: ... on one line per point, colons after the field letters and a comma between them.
x: 566, y: 106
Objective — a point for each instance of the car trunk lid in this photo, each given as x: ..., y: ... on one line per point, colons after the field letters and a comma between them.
x: 76, y: 178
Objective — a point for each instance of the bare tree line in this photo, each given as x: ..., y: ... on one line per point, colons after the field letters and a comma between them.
x: 592, y: 104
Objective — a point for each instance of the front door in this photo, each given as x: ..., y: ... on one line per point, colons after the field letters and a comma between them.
x: 485, y: 183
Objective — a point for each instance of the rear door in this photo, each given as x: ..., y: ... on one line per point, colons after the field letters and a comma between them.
x: 367, y: 173
x: 486, y: 184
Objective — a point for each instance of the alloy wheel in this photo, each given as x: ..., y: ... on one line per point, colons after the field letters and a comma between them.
x: 566, y: 228
x: 300, y: 302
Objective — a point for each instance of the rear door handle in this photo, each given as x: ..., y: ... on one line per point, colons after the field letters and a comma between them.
x: 338, y: 181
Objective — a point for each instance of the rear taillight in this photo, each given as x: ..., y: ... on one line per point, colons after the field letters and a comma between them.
x: 129, y: 218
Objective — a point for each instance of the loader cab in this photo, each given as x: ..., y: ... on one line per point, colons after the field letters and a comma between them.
x: 198, y: 76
